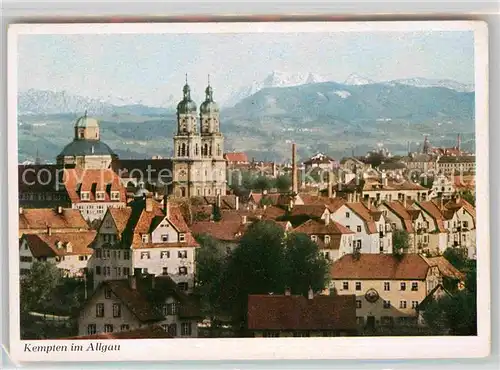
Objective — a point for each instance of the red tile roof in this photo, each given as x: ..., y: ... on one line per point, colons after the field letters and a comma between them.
x: 120, y: 217
x: 433, y: 209
x: 314, y: 210
x: 236, y: 157
x: 366, y: 215
x: 445, y: 268
x: 294, y: 312
x: 230, y: 231
x: 458, y: 203
x: 37, y: 219
x: 44, y: 245
x: 272, y: 213
x: 314, y: 227
x: 380, y: 266
x: 76, y: 180
x: 404, y: 214
x: 148, y: 332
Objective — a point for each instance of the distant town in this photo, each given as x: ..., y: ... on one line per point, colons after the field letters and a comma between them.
x: 210, y: 243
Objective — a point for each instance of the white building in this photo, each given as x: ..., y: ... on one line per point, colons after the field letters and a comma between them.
x: 149, y: 237
x: 442, y: 186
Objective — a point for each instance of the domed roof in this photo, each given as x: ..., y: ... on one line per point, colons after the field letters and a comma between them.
x: 85, y: 122
x: 209, y: 106
x: 186, y: 105
x: 86, y: 147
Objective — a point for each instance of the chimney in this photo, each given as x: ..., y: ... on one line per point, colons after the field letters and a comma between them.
x: 334, y: 194
x: 59, y: 210
x: 404, y: 201
x: 440, y: 203
x: 459, y: 141
x: 409, y: 149
x: 369, y: 204
x: 149, y: 204
x: 288, y: 292
x: 166, y: 206
x: 21, y: 210
x: 327, y: 219
x: 330, y: 193
x: 132, y: 280
x: 244, y: 219
x: 236, y: 202
x: 295, y: 188
x: 49, y: 230
x: 218, y: 201
x: 310, y: 293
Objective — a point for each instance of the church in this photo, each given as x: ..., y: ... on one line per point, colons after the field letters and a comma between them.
x: 197, y: 167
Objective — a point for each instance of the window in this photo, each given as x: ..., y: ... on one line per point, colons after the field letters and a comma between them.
x: 81, y: 258
x: 145, y: 256
x: 117, y: 310
x: 115, y: 195
x: 327, y: 239
x: 358, y: 303
x: 183, y: 286
x: 91, y: 329
x: 414, y: 304
x: 387, y: 304
x: 402, y: 304
x: 165, y: 254
x: 270, y: 334
x: 28, y: 258
x: 145, y: 238
x: 85, y: 195
x: 170, y: 309
x: 345, y: 285
x: 186, y: 329
x: 107, y: 293
x: 403, y: 286
x: 301, y: 334
x: 126, y: 271
x: 327, y: 255
x: 347, y: 215
x: 314, y: 238
x: 126, y: 255
x: 124, y: 327
x: 98, y: 270
x: 98, y: 253
x: 358, y: 228
x: 164, y: 271
x: 414, y: 286
x: 99, y: 310
x: 348, y: 226
x: 182, y: 254
x: 108, y: 328
x: 183, y: 270
x: 358, y: 285
x: 164, y: 238
x: 99, y: 195
x: 182, y: 237
x: 387, y: 286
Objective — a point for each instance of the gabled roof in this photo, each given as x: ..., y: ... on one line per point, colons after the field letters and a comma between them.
x: 120, y: 216
x: 432, y: 296
x: 315, y: 210
x: 314, y: 227
x: 229, y: 231
x: 366, y: 215
x: 295, y: 312
x: 460, y: 202
x: 40, y: 218
x: 433, y: 210
x: 380, y: 266
x: 402, y: 213
x: 45, y: 245
x: 78, y: 180
x: 236, y: 157
x: 445, y: 268
x: 272, y: 213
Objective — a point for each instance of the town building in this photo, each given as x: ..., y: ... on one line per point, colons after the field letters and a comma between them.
x: 69, y: 251
x: 149, y: 236
x: 388, y: 288
x: 453, y: 165
x: 139, y: 302
x: 86, y: 151
x: 56, y: 220
x: 199, y: 167
x: 442, y: 186
x: 290, y: 315
x: 320, y: 161
x: 235, y: 158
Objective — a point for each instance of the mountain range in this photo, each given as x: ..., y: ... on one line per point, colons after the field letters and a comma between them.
x: 320, y: 116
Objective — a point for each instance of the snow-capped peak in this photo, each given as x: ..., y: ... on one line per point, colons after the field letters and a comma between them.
x: 354, y: 79
x: 425, y: 82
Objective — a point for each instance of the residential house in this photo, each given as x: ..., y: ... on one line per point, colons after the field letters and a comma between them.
x: 57, y: 219
x: 145, y: 236
x: 298, y: 316
x: 320, y: 161
x: 388, y: 288
x: 451, y: 164
x: 372, y: 233
x: 146, y: 332
x: 139, y: 303
x: 233, y: 158
x: 69, y: 251
x: 442, y: 186
x: 333, y: 239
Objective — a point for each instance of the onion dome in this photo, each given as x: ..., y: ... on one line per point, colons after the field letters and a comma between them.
x: 186, y: 105
x: 86, y: 122
x: 209, y: 106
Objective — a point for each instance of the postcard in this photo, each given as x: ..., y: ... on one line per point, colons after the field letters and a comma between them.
x: 258, y: 190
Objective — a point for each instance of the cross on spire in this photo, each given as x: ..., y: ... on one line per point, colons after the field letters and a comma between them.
x: 186, y: 78
x: 209, y: 79
x: 85, y: 114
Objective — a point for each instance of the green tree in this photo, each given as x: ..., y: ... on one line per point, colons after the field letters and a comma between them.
x: 400, y: 241
x: 457, y: 257
x: 217, y: 216
x: 283, y: 183
x: 38, y: 285
x: 262, y: 183
x: 469, y: 197
x: 265, y: 262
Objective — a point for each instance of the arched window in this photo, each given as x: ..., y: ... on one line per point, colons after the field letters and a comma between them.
x: 196, y: 150
x: 179, y: 151
x: 183, y: 192
x: 187, y: 150
x: 218, y: 149
x: 210, y: 149
x: 205, y: 150
x: 183, y: 149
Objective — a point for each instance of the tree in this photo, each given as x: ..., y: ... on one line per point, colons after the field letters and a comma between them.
x: 262, y: 183
x: 217, y: 216
x: 265, y: 262
x: 400, y: 242
x: 283, y: 183
x: 469, y: 197
x: 38, y: 285
x: 457, y: 257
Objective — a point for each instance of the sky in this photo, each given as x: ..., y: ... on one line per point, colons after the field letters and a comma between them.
x: 151, y: 69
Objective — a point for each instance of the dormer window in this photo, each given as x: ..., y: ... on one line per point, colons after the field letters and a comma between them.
x: 59, y: 245
x: 314, y: 238
x: 99, y: 195
x: 69, y: 247
x: 115, y: 195
x: 145, y: 238
x: 182, y: 237
x: 327, y: 239
x: 85, y: 195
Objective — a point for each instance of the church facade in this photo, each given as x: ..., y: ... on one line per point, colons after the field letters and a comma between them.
x: 198, y: 164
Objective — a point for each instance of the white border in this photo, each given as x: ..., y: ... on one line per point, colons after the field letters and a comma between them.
x: 268, y: 348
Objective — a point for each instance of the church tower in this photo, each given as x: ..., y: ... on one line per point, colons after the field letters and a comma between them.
x: 199, y: 168
x: 212, y: 143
